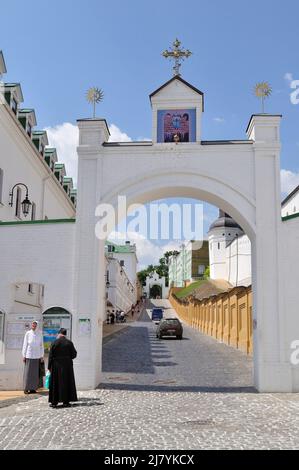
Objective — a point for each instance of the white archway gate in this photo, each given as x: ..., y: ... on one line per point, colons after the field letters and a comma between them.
x: 240, y: 177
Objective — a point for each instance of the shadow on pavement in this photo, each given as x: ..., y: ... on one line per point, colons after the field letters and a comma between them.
x: 87, y: 402
x: 173, y: 388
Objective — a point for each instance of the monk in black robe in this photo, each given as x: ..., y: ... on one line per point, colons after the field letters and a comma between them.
x: 62, y: 381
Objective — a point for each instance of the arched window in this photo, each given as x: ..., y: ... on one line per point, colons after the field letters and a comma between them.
x: 53, y: 319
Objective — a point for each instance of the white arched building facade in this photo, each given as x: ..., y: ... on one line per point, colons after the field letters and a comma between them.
x: 152, y: 281
x: 240, y: 177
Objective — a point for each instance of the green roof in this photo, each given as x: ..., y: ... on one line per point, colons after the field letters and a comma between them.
x: 67, y: 179
x: 12, y: 84
x: 50, y: 150
x: 121, y: 248
x: 59, y: 166
x: 289, y: 217
x: 26, y: 110
x: 39, y: 132
x: 34, y: 222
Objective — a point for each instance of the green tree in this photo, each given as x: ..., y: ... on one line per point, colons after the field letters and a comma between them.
x: 161, y: 268
x: 207, y: 273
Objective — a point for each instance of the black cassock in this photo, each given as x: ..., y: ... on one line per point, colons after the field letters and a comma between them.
x: 62, y: 383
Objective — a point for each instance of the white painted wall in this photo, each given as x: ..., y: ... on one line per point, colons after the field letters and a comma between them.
x: 42, y: 254
x: 291, y: 206
x: 290, y: 275
x: 155, y: 279
x: 120, y: 289
x: 130, y: 265
x: 219, y: 239
x: 21, y: 163
x: 238, y: 262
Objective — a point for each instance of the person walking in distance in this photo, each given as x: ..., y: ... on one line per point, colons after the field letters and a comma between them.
x: 62, y: 381
x: 33, y: 354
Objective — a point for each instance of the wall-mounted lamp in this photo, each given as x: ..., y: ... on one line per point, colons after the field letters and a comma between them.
x: 107, y: 280
x: 25, y: 204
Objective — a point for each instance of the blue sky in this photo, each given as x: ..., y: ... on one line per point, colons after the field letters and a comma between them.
x: 58, y: 49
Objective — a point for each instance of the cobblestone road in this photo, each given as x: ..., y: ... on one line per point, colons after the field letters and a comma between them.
x: 161, y: 394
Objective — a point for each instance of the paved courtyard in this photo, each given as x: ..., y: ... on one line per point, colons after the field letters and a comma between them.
x: 160, y: 394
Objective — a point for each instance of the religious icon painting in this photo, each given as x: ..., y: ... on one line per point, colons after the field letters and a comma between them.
x: 176, y: 125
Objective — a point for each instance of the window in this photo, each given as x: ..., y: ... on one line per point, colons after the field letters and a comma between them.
x: 1, y: 184
x: 122, y: 263
x: 29, y: 129
x: 294, y: 208
x: 30, y: 288
x: 33, y: 211
x: 42, y: 149
x: 14, y: 105
x: 218, y: 246
x: 18, y: 203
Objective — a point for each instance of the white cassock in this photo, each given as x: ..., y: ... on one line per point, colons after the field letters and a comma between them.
x: 33, y: 346
x: 33, y: 350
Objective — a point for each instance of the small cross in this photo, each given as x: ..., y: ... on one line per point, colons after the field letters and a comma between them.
x: 178, y: 55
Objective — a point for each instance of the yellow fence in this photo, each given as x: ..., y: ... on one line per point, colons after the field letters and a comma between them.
x: 227, y: 317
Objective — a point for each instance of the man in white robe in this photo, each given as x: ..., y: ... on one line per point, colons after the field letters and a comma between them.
x: 33, y: 354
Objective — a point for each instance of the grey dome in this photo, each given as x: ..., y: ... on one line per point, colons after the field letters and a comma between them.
x: 224, y: 220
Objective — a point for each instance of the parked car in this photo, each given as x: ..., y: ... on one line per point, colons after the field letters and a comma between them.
x: 170, y: 327
x: 157, y: 314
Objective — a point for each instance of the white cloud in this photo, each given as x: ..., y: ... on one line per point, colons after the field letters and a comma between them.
x: 288, y: 77
x: 117, y: 135
x: 65, y: 138
x: 147, y: 251
x: 219, y: 119
x: 289, y: 181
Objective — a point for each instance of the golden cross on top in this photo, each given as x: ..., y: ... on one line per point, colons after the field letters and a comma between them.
x: 178, y: 55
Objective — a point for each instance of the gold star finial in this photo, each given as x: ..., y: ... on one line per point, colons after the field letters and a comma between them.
x: 178, y: 55
x: 94, y: 95
x: 262, y: 90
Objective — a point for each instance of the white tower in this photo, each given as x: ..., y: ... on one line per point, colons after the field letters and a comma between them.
x: 221, y: 233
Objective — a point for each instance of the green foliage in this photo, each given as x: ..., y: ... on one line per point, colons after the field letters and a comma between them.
x: 161, y: 268
x: 207, y: 273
